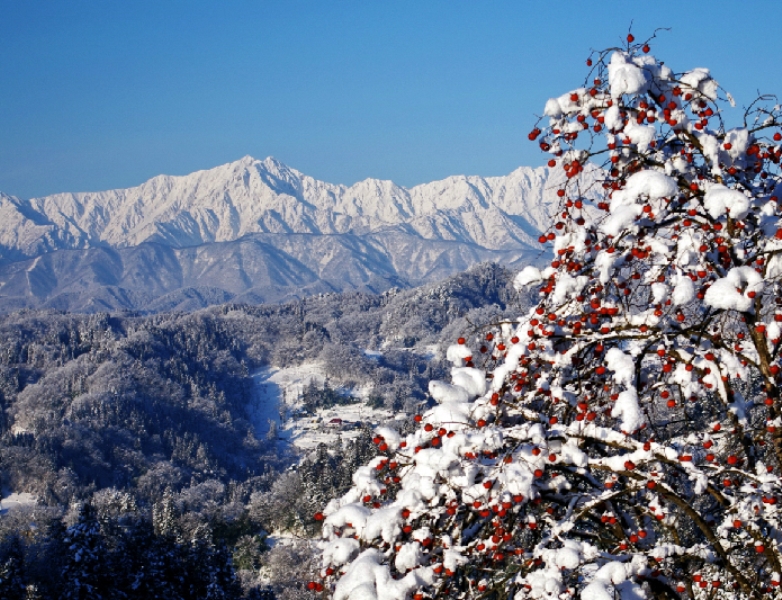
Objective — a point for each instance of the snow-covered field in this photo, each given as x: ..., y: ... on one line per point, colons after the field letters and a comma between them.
x: 307, y: 432
x: 275, y: 391
x: 16, y: 500
x: 276, y: 404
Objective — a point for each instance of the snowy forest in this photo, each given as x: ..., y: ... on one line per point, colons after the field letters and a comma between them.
x: 132, y: 433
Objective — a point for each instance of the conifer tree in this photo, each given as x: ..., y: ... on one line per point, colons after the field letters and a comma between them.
x: 12, y: 576
x: 210, y: 574
x: 85, y: 576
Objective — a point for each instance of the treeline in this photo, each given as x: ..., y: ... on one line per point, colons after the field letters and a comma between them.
x: 206, y: 541
x: 113, y: 551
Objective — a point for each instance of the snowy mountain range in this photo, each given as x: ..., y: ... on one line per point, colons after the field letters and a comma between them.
x: 256, y: 231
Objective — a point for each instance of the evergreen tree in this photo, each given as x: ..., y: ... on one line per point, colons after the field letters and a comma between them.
x: 210, y: 573
x: 165, y: 574
x: 12, y: 575
x: 45, y: 558
x: 85, y: 576
x: 164, y: 516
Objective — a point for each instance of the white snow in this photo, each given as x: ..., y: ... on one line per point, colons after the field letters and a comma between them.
x: 556, y: 107
x: 456, y: 353
x: 471, y: 379
x: 620, y: 218
x: 274, y: 389
x: 641, y: 135
x: 622, y: 365
x: 732, y: 292
x: 700, y: 79
x: 739, y: 140
x: 446, y: 392
x: 568, y: 287
x: 625, y: 77
x: 527, y: 276
x: 409, y: 556
x: 653, y: 185
x: 367, y: 578
x: 306, y: 432
x: 615, y: 575
x: 254, y: 196
x: 684, y: 292
x: 650, y: 184
x: 721, y: 200
x: 613, y: 118
x: 340, y: 551
x: 627, y: 409
x: 659, y: 292
x: 17, y: 500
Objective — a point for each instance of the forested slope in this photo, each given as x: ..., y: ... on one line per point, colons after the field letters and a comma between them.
x: 131, y: 426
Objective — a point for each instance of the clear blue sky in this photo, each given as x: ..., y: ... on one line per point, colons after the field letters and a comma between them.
x: 104, y: 94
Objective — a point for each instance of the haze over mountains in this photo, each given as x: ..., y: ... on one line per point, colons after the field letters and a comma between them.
x: 259, y: 231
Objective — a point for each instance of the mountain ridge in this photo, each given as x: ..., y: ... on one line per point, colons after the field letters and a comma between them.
x: 263, y: 231
x: 253, y: 196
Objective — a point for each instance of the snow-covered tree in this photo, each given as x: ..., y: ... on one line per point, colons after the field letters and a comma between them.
x: 624, y: 438
x: 85, y: 576
x: 12, y: 576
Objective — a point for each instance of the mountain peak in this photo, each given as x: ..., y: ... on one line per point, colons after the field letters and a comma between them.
x: 271, y: 161
x: 267, y: 164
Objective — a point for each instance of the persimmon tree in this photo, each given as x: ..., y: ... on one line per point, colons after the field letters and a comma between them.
x: 624, y: 438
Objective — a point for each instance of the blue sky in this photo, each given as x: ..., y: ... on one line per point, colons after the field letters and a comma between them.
x: 98, y: 95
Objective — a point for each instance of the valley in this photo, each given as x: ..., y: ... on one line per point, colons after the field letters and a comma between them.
x: 165, y: 420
